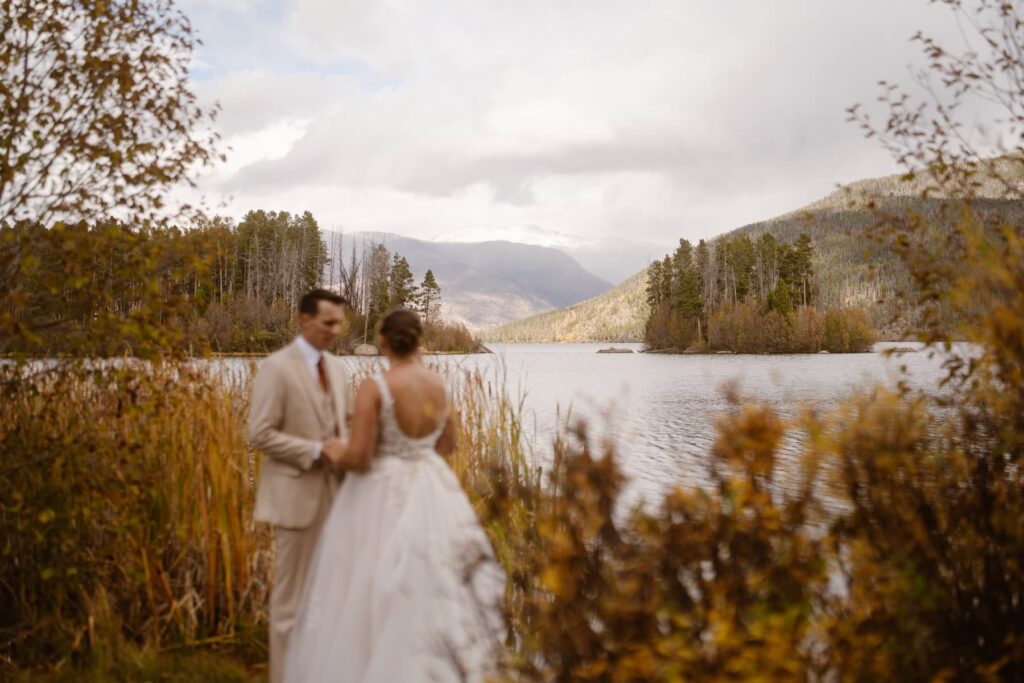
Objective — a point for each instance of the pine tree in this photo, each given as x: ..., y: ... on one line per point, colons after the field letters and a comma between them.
x: 665, y: 286
x: 682, y: 260
x: 804, y: 250
x: 779, y: 299
x: 402, y: 287
x: 654, y: 286
x: 430, y: 298
x: 741, y: 262
x: 688, y: 299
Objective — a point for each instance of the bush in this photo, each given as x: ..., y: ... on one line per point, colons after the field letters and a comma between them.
x: 668, y: 329
x: 449, y: 337
x: 745, y: 329
x: 848, y: 330
x: 808, y: 329
x: 704, y: 586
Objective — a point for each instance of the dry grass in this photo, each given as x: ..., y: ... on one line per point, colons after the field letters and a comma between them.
x: 129, y: 494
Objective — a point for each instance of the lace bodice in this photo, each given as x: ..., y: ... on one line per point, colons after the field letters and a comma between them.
x: 393, y: 442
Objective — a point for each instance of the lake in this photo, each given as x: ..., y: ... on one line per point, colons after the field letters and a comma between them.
x: 660, y: 410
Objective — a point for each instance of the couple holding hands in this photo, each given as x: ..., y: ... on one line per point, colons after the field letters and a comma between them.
x: 382, y: 571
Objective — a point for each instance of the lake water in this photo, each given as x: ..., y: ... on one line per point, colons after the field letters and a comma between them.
x: 660, y: 410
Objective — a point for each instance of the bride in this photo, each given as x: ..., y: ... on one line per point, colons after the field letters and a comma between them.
x: 403, y: 585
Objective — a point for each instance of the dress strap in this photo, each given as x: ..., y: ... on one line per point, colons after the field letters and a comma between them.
x: 385, y: 392
x: 447, y: 406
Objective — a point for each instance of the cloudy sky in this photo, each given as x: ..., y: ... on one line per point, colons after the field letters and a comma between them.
x: 652, y: 120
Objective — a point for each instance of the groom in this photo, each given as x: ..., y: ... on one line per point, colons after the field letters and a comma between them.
x: 300, y: 402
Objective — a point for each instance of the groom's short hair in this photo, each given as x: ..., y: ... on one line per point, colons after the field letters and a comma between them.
x: 310, y: 301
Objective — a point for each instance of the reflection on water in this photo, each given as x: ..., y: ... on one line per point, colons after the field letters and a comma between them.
x: 660, y: 410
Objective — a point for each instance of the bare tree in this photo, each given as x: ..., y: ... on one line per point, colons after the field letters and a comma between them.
x: 924, y: 130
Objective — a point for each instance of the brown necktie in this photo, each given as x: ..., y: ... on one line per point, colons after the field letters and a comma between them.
x: 321, y: 372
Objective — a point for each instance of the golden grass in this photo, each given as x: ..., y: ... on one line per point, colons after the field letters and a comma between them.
x: 130, y: 489
x: 128, y: 505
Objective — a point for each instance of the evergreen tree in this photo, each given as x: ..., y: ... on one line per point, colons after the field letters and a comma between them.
x: 665, y: 286
x: 654, y: 285
x: 402, y: 287
x: 688, y: 299
x: 430, y: 298
x: 740, y: 257
x: 278, y: 256
x: 682, y: 260
x: 804, y: 251
x: 779, y: 299
x: 789, y: 270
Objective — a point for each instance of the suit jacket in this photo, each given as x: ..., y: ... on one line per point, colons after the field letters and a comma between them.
x: 288, y: 421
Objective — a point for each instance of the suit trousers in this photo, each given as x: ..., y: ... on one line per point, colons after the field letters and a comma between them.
x: 294, y: 553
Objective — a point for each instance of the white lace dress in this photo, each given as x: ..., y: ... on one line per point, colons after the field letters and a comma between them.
x: 403, y: 585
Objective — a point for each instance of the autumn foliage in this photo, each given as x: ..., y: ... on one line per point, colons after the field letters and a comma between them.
x: 890, y: 551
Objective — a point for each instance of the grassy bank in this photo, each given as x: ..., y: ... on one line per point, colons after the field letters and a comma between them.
x: 127, y: 514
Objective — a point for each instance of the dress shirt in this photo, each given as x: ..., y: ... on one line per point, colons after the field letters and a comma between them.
x: 312, y: 356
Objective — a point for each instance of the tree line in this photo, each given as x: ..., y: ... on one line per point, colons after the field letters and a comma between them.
x: 749, y: 296
x: 108, y: 288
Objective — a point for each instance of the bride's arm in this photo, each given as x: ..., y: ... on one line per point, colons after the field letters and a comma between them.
x: 357, y: 453
x: 446, y: 442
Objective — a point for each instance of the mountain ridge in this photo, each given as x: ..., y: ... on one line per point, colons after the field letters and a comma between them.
x: 851, y: 269
x: 617, y: 315
x: 613, y: 259
x: 484, y: 284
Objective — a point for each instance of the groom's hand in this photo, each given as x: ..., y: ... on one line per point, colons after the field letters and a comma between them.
x: 334, y: 450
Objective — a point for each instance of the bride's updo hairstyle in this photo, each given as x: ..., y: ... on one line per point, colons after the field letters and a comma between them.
x: 401, y: 328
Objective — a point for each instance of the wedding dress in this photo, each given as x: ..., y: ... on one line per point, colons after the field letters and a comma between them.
x: 403, y: 586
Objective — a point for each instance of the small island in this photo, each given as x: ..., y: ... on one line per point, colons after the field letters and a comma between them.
x: 740, y: 295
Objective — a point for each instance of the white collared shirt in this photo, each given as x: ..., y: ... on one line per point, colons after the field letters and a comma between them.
x: 312, y: 356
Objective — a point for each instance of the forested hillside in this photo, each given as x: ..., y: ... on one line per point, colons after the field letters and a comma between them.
x: 853, y: 265
x: 618, y: 315
x: 485, y: 283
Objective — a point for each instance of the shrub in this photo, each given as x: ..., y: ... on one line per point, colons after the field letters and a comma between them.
x: 449, y: 337
x: 807, y: 330
x: 848, y: 330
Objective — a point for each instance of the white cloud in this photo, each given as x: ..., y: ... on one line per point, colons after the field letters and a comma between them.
x: 658, y: 120
x: 270, y: 143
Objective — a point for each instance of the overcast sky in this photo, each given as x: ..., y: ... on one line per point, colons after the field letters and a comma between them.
x: 651, y: 120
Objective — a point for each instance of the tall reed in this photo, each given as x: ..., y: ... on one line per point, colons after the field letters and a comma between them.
x: 130, y: 484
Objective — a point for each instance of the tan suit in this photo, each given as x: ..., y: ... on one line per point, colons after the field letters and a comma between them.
x: 289, y: 418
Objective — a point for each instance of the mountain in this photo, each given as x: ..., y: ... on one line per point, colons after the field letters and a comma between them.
x: 854, y: 269
x: 617, y: 315
x: 851, y: 268
x: 484, y: 284
x: 611, y: 258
